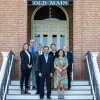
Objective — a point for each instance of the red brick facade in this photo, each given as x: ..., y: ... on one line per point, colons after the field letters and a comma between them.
x: 86, y: 34
x: 13, y: 27
x: 84, y: 29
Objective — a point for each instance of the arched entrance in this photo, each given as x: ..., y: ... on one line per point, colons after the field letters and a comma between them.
x: 50, y: 24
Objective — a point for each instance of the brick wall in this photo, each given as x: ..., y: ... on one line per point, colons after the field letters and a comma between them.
x: 86, y: 34
x: 13, y: 27
x: 84, y: 18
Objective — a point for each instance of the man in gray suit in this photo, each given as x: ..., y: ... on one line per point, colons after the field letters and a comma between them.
x: 32, y: 49
x: 35, y: 65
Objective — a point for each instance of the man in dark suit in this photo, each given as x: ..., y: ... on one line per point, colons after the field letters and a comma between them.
x: 35, y: 65
x: 69, y: 56
x: 45, y: 68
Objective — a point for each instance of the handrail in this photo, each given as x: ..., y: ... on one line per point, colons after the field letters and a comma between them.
x: 91, y: 70
x: 8, y: 75
x: 72, y: 74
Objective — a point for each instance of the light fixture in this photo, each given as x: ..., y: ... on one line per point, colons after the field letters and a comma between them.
x: 50, y: 12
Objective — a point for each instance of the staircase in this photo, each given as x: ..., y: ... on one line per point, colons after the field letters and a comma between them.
x: 80, y: 90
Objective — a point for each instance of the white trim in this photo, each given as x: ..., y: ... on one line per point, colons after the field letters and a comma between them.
x: 3, y: 67
x: 96, y: 68
x: 90, y: 77
x: 5, y: 91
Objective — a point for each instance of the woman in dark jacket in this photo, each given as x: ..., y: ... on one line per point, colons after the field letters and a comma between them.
x: 26, y: 66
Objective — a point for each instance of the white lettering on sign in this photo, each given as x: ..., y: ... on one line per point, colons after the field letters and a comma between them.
x: 50, y: 3
x: 58, y: 3
x: 39, y: 3
x: 65, y: 3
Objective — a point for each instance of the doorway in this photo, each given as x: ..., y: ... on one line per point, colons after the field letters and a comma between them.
x: 50, y: 25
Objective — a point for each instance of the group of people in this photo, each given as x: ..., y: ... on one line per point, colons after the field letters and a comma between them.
x: 54, y: 67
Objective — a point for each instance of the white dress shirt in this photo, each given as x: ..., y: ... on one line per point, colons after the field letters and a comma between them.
x: 46, y: 57
x: 28, y: 55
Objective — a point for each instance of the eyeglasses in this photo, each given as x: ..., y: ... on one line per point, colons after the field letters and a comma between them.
x: 32, y: 42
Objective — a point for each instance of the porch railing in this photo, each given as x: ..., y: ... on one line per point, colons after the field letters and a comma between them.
x: 6, y: 73
x: 92, y: 73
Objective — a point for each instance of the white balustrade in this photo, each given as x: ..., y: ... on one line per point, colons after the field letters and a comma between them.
x: 96, y: 68
x: 2, y: 71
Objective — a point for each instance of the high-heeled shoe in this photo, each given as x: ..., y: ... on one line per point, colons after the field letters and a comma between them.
x: 22, y: 91
x: 26, y: 91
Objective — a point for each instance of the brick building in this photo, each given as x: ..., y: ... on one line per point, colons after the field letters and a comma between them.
x: 79, y: 23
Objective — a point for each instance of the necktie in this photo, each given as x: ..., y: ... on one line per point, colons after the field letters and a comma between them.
x: 32, y: 50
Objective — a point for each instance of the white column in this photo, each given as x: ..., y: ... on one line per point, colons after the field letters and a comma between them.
x: 96, y: 68
x: 3, y: 67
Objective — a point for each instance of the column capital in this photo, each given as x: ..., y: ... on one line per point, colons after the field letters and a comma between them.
x: 95, y: 54
x: 4, y: 54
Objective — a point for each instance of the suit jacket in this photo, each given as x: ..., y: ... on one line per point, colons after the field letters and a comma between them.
x: 25, y: 58
x: 35, y: 60
x: 43, y: 67
x: 70, y: 61
x: 54, y: 56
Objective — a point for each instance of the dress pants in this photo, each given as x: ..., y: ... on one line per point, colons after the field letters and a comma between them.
x: 52, y: 82
x: 48, y: 84
x: 33, y: 78
x: 37, y: 80
x: 25, y: 74
x: 69, y: 79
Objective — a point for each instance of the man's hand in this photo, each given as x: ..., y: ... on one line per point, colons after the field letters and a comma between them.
x: 51, y: 74
x: 40, y: 75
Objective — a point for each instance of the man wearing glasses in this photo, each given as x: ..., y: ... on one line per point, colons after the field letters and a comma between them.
x: 32, y: 49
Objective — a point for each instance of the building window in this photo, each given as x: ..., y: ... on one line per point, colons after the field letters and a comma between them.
x: 51, y: 13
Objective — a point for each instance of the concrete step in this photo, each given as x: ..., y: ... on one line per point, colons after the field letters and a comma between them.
x: 17, y: 82
x: 80, y: 90
x: 55, y: 97
x: 67, y: 92
x: 72, y: 87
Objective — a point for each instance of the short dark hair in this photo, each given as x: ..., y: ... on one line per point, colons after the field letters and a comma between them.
x: 52, y: 44
x: 39, y: 45
x: 59, y: 51
x: 45, y: 47
x: 65, y: 46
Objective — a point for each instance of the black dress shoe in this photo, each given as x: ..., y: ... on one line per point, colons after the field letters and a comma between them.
x: 69, y: 88
x: 52, y: 88
x: 28, y: 87
x: 33, y: 87
x: 37, y: 93
x: 41, y: 97
x: 49, y: 98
